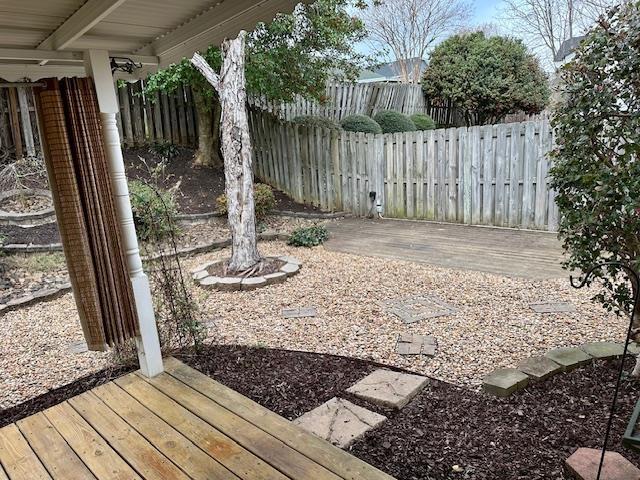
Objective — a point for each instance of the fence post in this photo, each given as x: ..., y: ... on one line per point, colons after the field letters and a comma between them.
x: 465, y: 139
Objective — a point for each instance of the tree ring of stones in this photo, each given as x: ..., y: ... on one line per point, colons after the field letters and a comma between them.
x: 290, y: 267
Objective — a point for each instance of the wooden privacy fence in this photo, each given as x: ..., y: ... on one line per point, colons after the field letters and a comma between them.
x: 348, y: 98
x: 18, y: 124
x: 485, y: 175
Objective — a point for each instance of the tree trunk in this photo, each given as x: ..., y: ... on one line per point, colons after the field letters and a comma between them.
x: 208, y: 154
x: 236, y: 151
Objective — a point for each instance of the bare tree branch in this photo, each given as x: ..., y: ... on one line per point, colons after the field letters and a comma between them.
x: 406, y: 29
x: 203, y: 67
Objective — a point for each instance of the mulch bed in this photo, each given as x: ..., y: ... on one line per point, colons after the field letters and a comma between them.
x: 526, y: 436
x: 269, y: 265
x: 199, y: 186
x: 38, y: 235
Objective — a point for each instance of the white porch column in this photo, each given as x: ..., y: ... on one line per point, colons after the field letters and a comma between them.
x: 97, y: 66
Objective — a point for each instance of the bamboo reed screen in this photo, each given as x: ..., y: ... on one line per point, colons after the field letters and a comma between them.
x: 85, y: 210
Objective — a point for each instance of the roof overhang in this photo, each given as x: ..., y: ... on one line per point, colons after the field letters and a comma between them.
x: 45, y: 39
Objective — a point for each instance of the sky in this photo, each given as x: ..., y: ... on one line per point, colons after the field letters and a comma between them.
x: 485, y: 11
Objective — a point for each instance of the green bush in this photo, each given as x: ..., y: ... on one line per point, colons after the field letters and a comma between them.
x: 317, y: 121
x: 166, y: 150
x: 264, y: 200
x: 360, y: 123
x: 155, y: 211
x: 422, y: 122
x: 308, y: 236
x: 392, y: 122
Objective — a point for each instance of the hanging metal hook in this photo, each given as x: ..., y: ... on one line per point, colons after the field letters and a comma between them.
x: 635, y: 280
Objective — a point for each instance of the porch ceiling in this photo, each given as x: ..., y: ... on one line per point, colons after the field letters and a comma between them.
x: 40, y: 39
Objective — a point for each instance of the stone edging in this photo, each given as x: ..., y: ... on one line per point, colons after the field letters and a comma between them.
x: 30, y: 219
x: 204, y: 279
x: 204, y: 247
x: 505, y: 381
x: 191, y: 218
x: 42, y: 295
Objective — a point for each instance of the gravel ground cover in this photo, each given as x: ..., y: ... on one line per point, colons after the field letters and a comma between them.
x: 24, y: 274
x: 493, y: 325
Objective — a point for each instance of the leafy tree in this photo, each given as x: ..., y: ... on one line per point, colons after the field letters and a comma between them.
x: 487, y: 77
x: 292, y: 55
x: 596, y: 171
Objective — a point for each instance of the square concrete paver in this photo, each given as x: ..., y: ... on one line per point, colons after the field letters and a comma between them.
x: 568, y: 358
x: 504, y: 382
x: 412, y: 344
x: 339, y: 421
x: 418, y: 307
x: 389, y: 389
x: 552, y: 307
x: 300, y: 312
x: 584, y: 462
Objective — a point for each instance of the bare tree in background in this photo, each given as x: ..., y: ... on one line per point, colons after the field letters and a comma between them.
x: 406, y: 29
x: 546, y: 24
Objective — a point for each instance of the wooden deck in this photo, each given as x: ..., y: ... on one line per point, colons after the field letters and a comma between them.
x: 179, y: 425
x: 509, y: 252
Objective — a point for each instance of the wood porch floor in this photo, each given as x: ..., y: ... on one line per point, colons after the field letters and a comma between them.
x: 179, y: 425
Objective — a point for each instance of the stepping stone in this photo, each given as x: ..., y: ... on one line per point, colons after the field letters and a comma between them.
x: 339, y: 421
x: 568, y: 357
x: 552, y: 307
x: 418, y: 307
x: 504, y: 382
x: 388, y: 389
x: 411, y: 344
x: 603, y: 350
x: 539, y: 368
x: 300, y: 312
x: 584, y: 462
x: 78, y: 347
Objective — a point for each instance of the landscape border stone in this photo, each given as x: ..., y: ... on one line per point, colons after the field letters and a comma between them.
x: 195, y: 218
x: 565, y: 358
x: 202, y: 277
x: 42, y: 295
x: 29, y: 219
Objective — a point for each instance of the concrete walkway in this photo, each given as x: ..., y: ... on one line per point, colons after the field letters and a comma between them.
x: 510, y: 252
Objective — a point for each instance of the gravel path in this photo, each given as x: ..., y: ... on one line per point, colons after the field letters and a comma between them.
x: 493, y: 326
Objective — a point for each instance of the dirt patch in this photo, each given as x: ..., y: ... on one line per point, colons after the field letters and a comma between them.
x: 268, y: 265
x: 26, y: 203
x: 38, y: 235
x: 199, y: 186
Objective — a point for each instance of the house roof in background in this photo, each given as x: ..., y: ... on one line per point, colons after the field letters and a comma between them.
x: 389, y: 72
x: 46, y: 38
x: 567, y: 48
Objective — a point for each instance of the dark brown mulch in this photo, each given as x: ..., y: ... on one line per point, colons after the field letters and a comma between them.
x: 58, y: 395
x: 199, y: 186
x: 38, y: 235
x: 527, y: 436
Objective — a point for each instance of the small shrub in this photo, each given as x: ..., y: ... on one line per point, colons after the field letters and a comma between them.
x: 154, y: 211
x: 392, y: 122
x: 422, y: 122
x: 166, y: 150
x: 265, y: 201
x: 360, y: 123
x: 308, y: 236
x: 317, y: 121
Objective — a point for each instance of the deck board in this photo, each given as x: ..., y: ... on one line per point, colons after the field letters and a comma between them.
x: 57, y: 456
x: 333, y: 458
x: 179, y: 425
x: 502, y: 251
x: 17, y: 457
